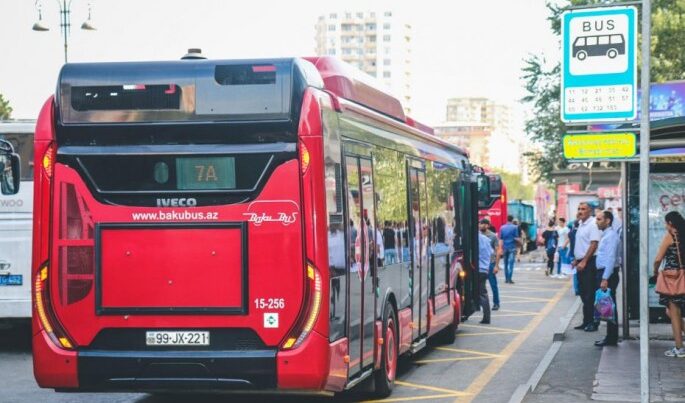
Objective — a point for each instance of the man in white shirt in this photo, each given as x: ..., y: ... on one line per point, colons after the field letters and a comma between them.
x: 563, y: 231
x: 587, y: 240
x: 607, y: 270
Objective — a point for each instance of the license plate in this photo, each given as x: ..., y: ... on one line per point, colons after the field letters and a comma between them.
x: 11, y: 279
x: 184, y: 338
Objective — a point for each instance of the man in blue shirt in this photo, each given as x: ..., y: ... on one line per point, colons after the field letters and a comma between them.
x: 607, y: 269
x: 485, y: 252
x: 510, y: 236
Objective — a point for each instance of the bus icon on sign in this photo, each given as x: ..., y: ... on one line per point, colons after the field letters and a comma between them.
x: 599, y: 45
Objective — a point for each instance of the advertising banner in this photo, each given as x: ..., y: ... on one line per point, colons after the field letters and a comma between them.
x: 666, y: 193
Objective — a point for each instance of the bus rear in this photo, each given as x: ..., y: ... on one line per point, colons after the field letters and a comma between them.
x: 15, y: 227
x: 169, y: 228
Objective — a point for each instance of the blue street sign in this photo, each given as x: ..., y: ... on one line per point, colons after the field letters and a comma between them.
x: 599, y: 65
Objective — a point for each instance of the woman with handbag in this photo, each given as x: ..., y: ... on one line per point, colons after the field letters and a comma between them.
x: 670, y: 283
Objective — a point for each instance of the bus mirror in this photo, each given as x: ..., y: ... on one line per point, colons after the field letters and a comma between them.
x: 495, y: 186
x: 483, y: 191
x: 9, y: 169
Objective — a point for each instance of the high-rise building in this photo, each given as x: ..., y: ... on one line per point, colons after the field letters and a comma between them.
x: 377, y: 42
x: 486, y: 129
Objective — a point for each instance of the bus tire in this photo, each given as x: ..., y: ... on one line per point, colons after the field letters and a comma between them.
x: 612, y: 53
x: 385, y: 376
x: 449, y: 334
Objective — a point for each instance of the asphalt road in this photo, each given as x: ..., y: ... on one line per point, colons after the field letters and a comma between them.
x: 486, y: 363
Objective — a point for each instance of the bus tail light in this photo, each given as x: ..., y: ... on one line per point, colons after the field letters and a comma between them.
x: 48, y: 161
x: 47, y: 321
x: 304, y: 158
x: 313, y: 301
x: 76, y: 246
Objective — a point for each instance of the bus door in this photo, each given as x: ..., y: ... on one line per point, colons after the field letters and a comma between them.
x: 467, y: 195
x: 418, y: 239
x: 362, y: 252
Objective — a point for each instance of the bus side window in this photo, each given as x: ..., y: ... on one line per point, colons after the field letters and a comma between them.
x: 603, y: 40
x: 616, y: 39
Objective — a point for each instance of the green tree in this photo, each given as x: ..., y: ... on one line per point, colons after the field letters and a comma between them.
x: 543, y: 81
x: 515, y: 187
x: 5, y: 108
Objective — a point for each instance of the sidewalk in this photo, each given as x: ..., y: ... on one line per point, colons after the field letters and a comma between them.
x: 581, y: 372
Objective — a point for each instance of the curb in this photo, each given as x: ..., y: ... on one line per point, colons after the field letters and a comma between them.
x: 557, y: 341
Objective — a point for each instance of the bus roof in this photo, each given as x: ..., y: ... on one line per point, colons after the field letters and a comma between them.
x: 17, y: 126
x: 184, y: 90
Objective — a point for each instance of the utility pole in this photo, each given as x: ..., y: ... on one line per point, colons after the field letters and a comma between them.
x: 644, y: 202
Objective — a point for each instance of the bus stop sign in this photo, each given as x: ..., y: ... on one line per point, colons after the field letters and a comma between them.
x: 599, y: 65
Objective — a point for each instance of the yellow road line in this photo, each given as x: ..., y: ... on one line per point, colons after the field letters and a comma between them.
x: 534, y: 299
x: 434, y: 360
x: 506, y: 329
x: 431, y: 388
x: 515, y: 311
x: 461, y: 350
x: 413, y: 398
x: 509, y: 315
x: 486, y: 333
x: 489, y: 372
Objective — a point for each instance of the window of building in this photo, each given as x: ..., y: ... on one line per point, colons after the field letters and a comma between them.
x: 331, y: 27
x: 386, y: 51
x: 386, y: 25
x: 370, y: 27
x: 346, y: 27
x: 386, y: 74
x: 386, y: 38
x: 348, y: 15
x: 331, y: 52
x: 333, y: 16
x: 347, y: 51
x: 388, y: 13
x: 360, y: 15
x: 386, y: 62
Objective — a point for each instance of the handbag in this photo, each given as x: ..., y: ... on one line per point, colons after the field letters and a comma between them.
x: 672, y: 282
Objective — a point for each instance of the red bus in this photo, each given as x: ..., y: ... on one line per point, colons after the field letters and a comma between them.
x: 253, y: 224
x: 496, y: 206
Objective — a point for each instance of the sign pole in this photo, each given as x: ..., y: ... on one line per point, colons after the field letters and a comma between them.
x: 644, y: 203
x: 625, y: 322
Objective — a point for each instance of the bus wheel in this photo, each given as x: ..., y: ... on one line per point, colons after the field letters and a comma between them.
x: 449, y: 334
x: 581, y: 55
x: 385, y: 376
x: 612, y: 53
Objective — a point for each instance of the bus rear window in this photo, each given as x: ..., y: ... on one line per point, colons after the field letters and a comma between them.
x: 126, y: 97
x: 245, y: 74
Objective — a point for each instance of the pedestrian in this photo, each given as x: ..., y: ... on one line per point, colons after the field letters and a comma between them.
x: 551, y: 240
x: 484, y: 254
x: 571, y: 248
x: 586, y: 242
x: 562, y: 231
x: 510, y: 236
x: 618, y: 220
x: 494, y: 261
x: 607, y: 270
x: 670, y: 283
x: 389, y: 244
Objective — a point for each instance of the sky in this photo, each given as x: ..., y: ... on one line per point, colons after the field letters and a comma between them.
x: 461, y: 48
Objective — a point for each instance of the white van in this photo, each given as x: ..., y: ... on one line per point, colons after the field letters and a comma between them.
x: 16, y: 226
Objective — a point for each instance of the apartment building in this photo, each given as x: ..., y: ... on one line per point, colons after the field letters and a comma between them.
x: 377, y: 42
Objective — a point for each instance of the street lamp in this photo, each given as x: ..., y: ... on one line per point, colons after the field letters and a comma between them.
x: 65, y: 21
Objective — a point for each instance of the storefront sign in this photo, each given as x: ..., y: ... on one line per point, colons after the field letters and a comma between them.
x: 599, y: 146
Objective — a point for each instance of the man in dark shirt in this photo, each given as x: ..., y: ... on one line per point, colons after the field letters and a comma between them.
x: 389, y: 244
